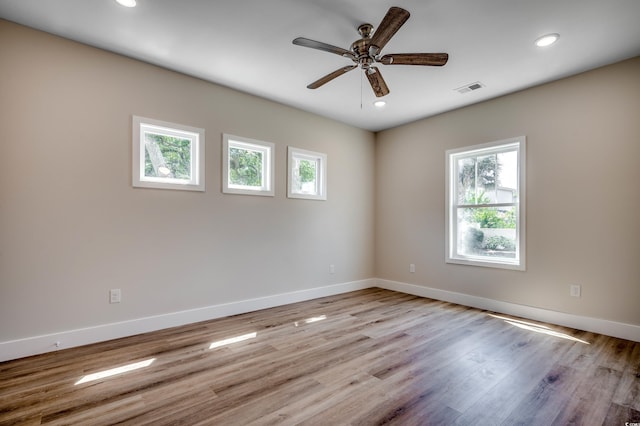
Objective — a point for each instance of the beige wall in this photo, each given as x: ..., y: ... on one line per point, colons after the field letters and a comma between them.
x: 583, y: 153
x: 72, y: 226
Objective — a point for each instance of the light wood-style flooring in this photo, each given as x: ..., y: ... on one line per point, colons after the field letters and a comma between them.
x: 363, y: 358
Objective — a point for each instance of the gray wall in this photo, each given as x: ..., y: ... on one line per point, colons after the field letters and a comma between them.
x: 583, y: 202
x: 72, y: 226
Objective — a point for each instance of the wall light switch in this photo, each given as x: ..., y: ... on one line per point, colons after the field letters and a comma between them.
x: 412, y: 268
x: 332, y: 269
x: 115, y: 295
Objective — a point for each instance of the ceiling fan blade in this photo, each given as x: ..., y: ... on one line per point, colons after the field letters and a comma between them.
x: 390, y: 24
x: 305, y: 42
x: 433, y: 59
x: 377, y: 82
x: 327, y: 78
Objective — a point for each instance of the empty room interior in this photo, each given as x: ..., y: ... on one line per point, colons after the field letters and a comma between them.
x: 197, y: 227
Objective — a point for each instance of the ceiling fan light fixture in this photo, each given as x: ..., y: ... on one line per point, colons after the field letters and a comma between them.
x: 127, y: 3
x: 379, y: 104
x: 547, y: 40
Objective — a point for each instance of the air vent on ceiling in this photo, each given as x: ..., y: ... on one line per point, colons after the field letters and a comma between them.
x: 470, y: 87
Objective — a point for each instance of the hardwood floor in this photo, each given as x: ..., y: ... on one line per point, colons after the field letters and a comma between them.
x: 362, y: 358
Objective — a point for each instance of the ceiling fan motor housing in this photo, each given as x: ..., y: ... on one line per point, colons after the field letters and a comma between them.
x: 361, y: 47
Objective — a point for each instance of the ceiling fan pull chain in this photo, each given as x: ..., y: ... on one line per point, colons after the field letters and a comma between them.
x: 361, y: 83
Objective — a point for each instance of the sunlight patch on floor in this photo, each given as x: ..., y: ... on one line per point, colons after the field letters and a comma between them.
x: 538, y: 328
x: 310, y: 320
x: 115, y: 371
x: 231, y: 340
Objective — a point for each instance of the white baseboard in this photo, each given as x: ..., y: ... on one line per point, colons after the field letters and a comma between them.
x: 46, y: 343
x: 609, y: 328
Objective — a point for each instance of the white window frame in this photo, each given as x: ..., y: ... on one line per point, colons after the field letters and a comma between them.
x: 268, y: 166
x: 452, y: 255
x: 142, y: 125
x: 320, y: 159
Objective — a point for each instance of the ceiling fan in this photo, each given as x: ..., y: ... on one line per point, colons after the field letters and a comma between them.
x: 366, y: 52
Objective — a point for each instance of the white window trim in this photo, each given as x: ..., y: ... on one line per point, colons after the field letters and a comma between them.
x: 195, y: 134
x: 321, y: 173
x: 451, y: 224
x: 267, y: 148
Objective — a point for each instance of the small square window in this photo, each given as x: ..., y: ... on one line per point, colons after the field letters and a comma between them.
x: 167, y: 155
x: 247, y: 166
x: 307, y: 174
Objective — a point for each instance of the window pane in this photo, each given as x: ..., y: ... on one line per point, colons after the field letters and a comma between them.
x: 305, y: 176
x: 167, y: 156
x: 487, y: 231
x: 466, y: 184
x: 245, y: 167
x: 507, y: 181
x: 486, y: 173
x: 477, y: 179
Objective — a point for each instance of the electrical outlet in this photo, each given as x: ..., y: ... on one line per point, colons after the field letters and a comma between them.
x: 332, y: 269
x: 115, y: 295
x: 574, y: 290
x: 412, y: 268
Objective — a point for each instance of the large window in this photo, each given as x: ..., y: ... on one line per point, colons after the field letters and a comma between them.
x: 485, y: 204
x: 167, y: 155
x: 247, y: 166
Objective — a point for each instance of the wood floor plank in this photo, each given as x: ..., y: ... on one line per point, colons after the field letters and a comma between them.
x: 497, y: 403
x: 618, y: 354
x: 581, y: 357
x: 309, y: 408
x: 619, y: 415
x: 484, y: 368
x: 628, y: 392
x: 362, y: 358
x: 542, y: 405
x: 253, y: 409
x: 590, y: 401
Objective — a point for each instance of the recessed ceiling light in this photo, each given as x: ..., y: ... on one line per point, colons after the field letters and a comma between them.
x: 127, y: 3
x: 379, y: 104
x: 547, y: 40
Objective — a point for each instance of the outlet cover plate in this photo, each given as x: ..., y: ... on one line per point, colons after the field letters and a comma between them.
x: 574, y: 290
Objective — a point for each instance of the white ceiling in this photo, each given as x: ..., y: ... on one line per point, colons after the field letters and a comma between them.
x: 246, y: 45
